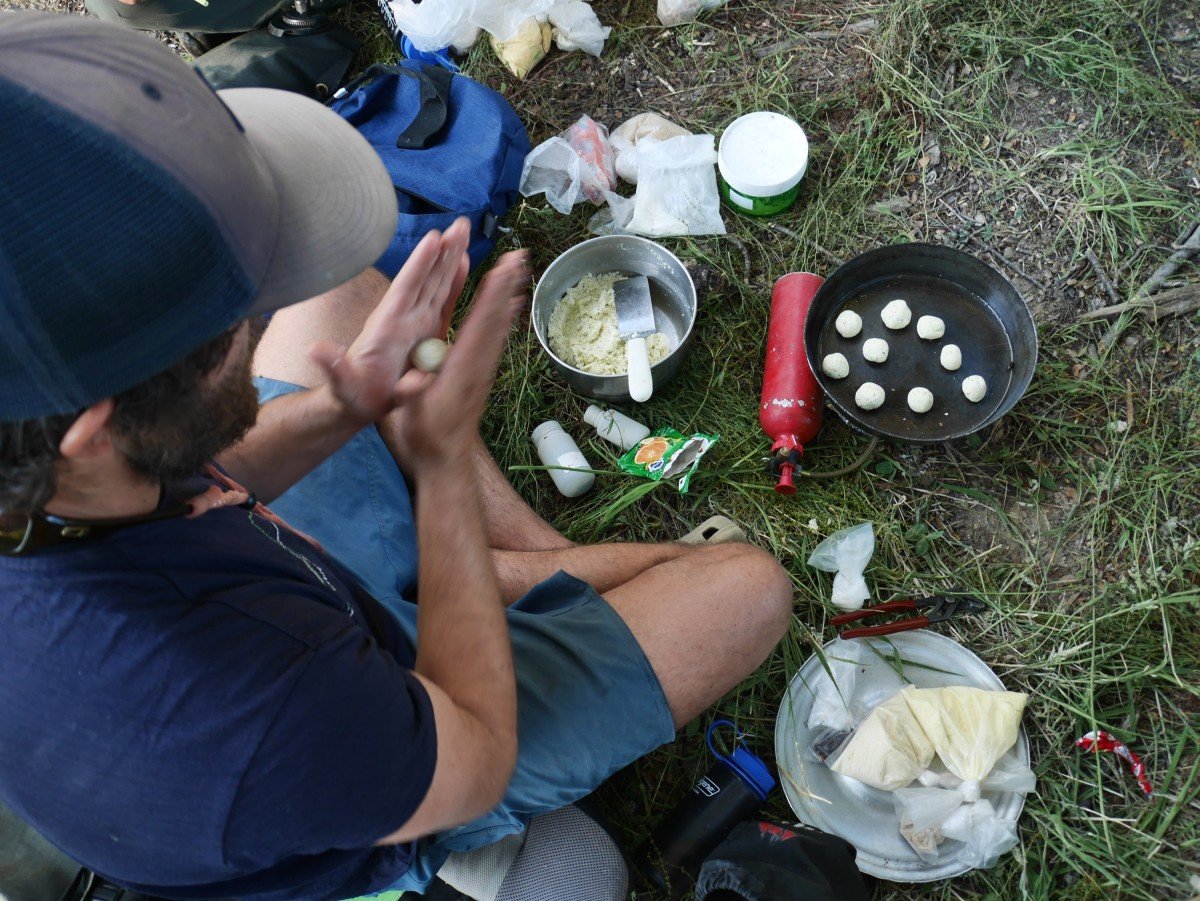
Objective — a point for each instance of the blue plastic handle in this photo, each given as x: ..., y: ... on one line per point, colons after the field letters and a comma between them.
x: 748, y: 765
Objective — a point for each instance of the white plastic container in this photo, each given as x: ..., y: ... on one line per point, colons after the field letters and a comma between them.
x: 762, y: 157
x: 614, y: 427
x: 556, y: 448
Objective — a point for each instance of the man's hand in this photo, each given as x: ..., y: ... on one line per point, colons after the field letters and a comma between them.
x: 437, y: 415
x: 418, y: 305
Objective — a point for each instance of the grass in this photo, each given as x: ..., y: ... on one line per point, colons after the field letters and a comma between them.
x: 1081, y: 538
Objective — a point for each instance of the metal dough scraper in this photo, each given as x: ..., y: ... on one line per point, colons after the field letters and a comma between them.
x: 635, y: 322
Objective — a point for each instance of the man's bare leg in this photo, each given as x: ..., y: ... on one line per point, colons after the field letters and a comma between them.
x: 706, y: 620
x: 603, y: 566
x: 338, y: 316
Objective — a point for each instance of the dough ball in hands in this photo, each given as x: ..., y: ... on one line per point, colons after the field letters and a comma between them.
x: 875, y: 350
x: 869, y: 396
x: 848, y: 324
x: 951, y: 357
x: 896, y: 315
x: 930, y: 328
x: 836, y: 366
x: 920, y: 400
x: 975, y: 388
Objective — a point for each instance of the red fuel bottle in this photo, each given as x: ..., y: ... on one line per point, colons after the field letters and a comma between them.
x: 790, y: 410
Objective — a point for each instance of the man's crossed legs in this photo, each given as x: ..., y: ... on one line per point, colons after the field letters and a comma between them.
x: 705, y: 617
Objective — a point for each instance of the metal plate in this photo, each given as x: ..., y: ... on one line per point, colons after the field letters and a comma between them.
x: 983, y: 313
x: 862, y: 815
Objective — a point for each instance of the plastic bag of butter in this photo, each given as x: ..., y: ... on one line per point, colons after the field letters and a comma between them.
x: 666, y: 454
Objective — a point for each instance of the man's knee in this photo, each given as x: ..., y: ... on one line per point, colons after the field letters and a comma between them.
x: 764, y: 585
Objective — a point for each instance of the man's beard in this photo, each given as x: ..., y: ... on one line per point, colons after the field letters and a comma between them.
x: 206, y: 421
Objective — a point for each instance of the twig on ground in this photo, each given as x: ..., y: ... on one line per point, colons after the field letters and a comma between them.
x: 1171, y: 302
x: 1164, y: 303
x: 1009, y: 263
x: 1188, y: 244
x: 1102, y: 278
x: 1129, y: 402
x: 988, y: 247
x: 866, y: 26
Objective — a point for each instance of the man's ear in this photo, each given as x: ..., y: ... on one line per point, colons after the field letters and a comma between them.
x: 88, y: 436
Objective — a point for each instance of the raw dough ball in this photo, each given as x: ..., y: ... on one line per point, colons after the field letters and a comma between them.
x: 848, y: 323
x: 951, y: 357
x: 875, y: 350
x: 869, y: 396
x: 975, y: 388
x: 920, y: 400
x: 429, y: 354
x: 930, y: 328
x: 836, y: 366
x: 896, y: 315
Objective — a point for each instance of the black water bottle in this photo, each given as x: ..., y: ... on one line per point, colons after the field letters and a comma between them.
x: 731, y: 791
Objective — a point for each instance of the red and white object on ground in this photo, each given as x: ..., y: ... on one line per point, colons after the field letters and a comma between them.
x: 1098, y: 740
x: 790, y: 409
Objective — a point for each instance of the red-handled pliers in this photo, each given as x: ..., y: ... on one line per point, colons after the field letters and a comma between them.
x: 931, y: 610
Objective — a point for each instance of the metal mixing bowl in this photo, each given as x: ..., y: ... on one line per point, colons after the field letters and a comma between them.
x: 671, y: 292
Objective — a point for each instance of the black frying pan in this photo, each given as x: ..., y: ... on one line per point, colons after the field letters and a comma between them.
x: 984, y: 316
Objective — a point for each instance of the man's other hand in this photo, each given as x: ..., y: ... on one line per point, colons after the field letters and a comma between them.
x: 438, y: 413
x: 418, y: 305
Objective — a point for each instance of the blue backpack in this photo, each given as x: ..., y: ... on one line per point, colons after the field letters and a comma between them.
x: 452, y: 146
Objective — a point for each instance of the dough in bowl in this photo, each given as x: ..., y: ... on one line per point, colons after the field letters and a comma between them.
x: 583, y: 329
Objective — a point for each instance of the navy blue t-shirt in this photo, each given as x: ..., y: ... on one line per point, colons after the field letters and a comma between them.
x: 210, y: 708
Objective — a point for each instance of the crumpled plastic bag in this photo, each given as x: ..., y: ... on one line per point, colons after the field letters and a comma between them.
x: 677, y: 12
x: 435, y: 24
x: 676, y: 193
x: 858, y: 677
x: 928, y: 816
x: 576, y: 27
x: 846, y: 553
x: 577, y: 165
x: 970, y: 728
x: 525, y: 49
x: 888, y: 750
x: 644, y: 126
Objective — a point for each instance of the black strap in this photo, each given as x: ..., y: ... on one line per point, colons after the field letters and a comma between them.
x: 42, y: 530
x: 435, y: 107
x: 434, y: 99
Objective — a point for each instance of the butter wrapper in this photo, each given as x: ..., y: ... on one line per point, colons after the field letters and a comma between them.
x: 667, y: 454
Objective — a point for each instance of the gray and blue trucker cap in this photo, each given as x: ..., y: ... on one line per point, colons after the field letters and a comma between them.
x: 142, y: 214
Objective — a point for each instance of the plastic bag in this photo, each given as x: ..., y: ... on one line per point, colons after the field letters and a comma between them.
x: 576, y: 27
x: 574, y: 166
x: 625, y: 139
x: 928, y: 816
x: 436, y: 24
x: 502, y: 19
x: 676, y: 193
x: 676, y: 12
x: 970, y: 728
x: 858, y: 680
x: 525, y: 49
x: 889, y: 748
x: 846, y: 553
x: 589, y: 139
